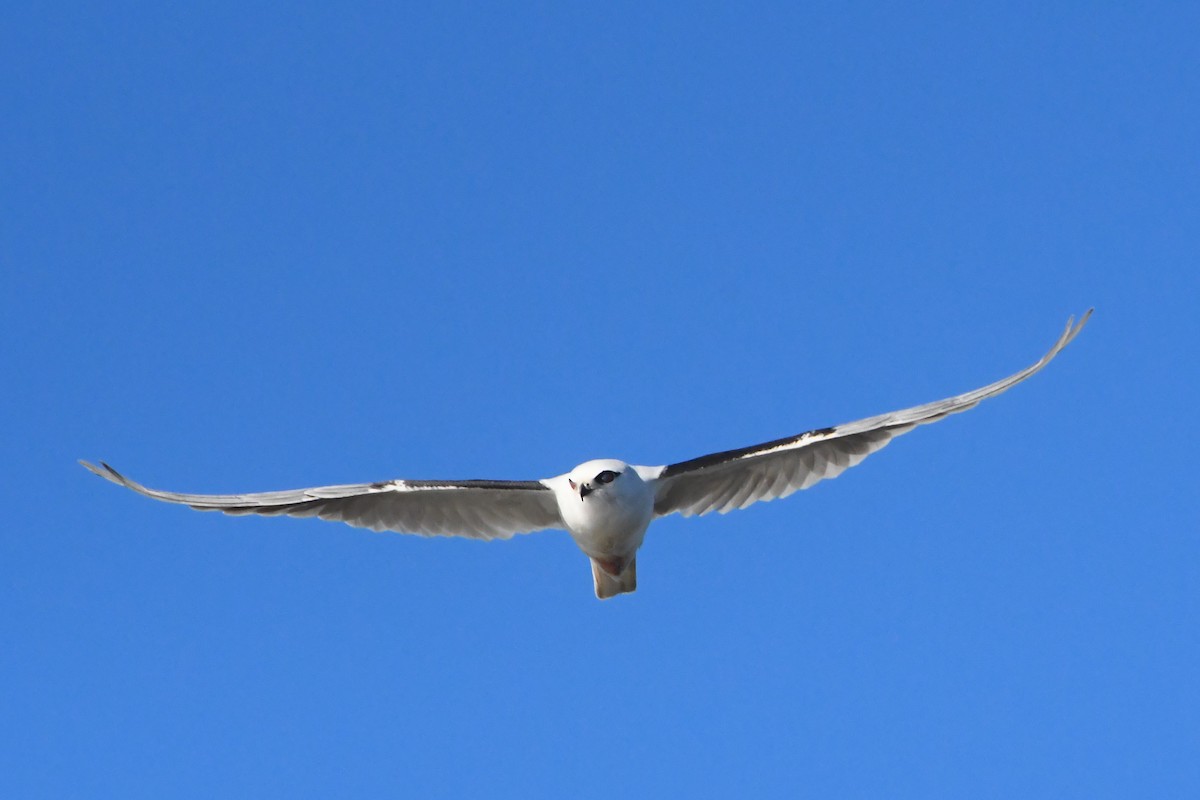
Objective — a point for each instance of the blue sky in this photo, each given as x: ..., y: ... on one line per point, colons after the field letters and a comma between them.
x: 248, y: 249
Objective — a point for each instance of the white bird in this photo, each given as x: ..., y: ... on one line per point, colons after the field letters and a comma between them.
x: 606, y: 505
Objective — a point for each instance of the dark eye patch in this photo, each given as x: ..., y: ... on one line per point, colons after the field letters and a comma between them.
x: 608, y: 476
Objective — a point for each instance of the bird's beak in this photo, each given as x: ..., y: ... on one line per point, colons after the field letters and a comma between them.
x: 584, y: 490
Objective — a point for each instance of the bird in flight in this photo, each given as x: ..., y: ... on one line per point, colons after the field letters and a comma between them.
x: 606, y: 505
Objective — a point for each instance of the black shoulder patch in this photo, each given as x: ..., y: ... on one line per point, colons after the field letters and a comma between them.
x: 725, y: 456
x: 478, y: 484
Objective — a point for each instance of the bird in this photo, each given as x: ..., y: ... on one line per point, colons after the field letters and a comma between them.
x: 606, y: 505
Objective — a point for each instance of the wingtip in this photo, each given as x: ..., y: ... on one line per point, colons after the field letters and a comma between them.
x: 104, y: 471
x: 1068, y: 335
x: 1073, y: 327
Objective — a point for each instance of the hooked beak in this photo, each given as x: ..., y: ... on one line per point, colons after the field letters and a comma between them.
x: 583, y: 488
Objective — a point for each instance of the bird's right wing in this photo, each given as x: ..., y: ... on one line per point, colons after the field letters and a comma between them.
x: 474, y: 508
x: 734, y: 479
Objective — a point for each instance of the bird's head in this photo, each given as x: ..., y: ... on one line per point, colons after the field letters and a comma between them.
x: 601, y: 475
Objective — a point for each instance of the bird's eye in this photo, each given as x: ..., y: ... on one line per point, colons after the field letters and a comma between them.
x: 608, y: 476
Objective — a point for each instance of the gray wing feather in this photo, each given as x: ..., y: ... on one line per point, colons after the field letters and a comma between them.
x: 476, y: 509
x: 734, y: 479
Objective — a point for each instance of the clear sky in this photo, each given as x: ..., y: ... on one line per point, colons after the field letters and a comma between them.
x: 248, y: 249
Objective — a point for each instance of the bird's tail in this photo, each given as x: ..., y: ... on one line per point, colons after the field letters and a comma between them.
x: 609, y: 585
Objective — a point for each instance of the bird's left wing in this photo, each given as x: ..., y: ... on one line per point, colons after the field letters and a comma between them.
x: 473, y: 508
x: 733, y: 479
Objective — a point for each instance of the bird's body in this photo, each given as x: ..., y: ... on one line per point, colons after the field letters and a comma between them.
x: 606, y: 505
x: 607, y: 520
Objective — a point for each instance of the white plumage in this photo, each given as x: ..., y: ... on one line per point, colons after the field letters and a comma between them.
x: 606, y: 505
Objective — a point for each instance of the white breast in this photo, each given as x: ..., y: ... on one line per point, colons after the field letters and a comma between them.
x: 612, y: 520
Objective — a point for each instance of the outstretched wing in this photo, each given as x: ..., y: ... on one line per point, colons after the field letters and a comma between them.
x: 478, y: 509
x: 733, y: 479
